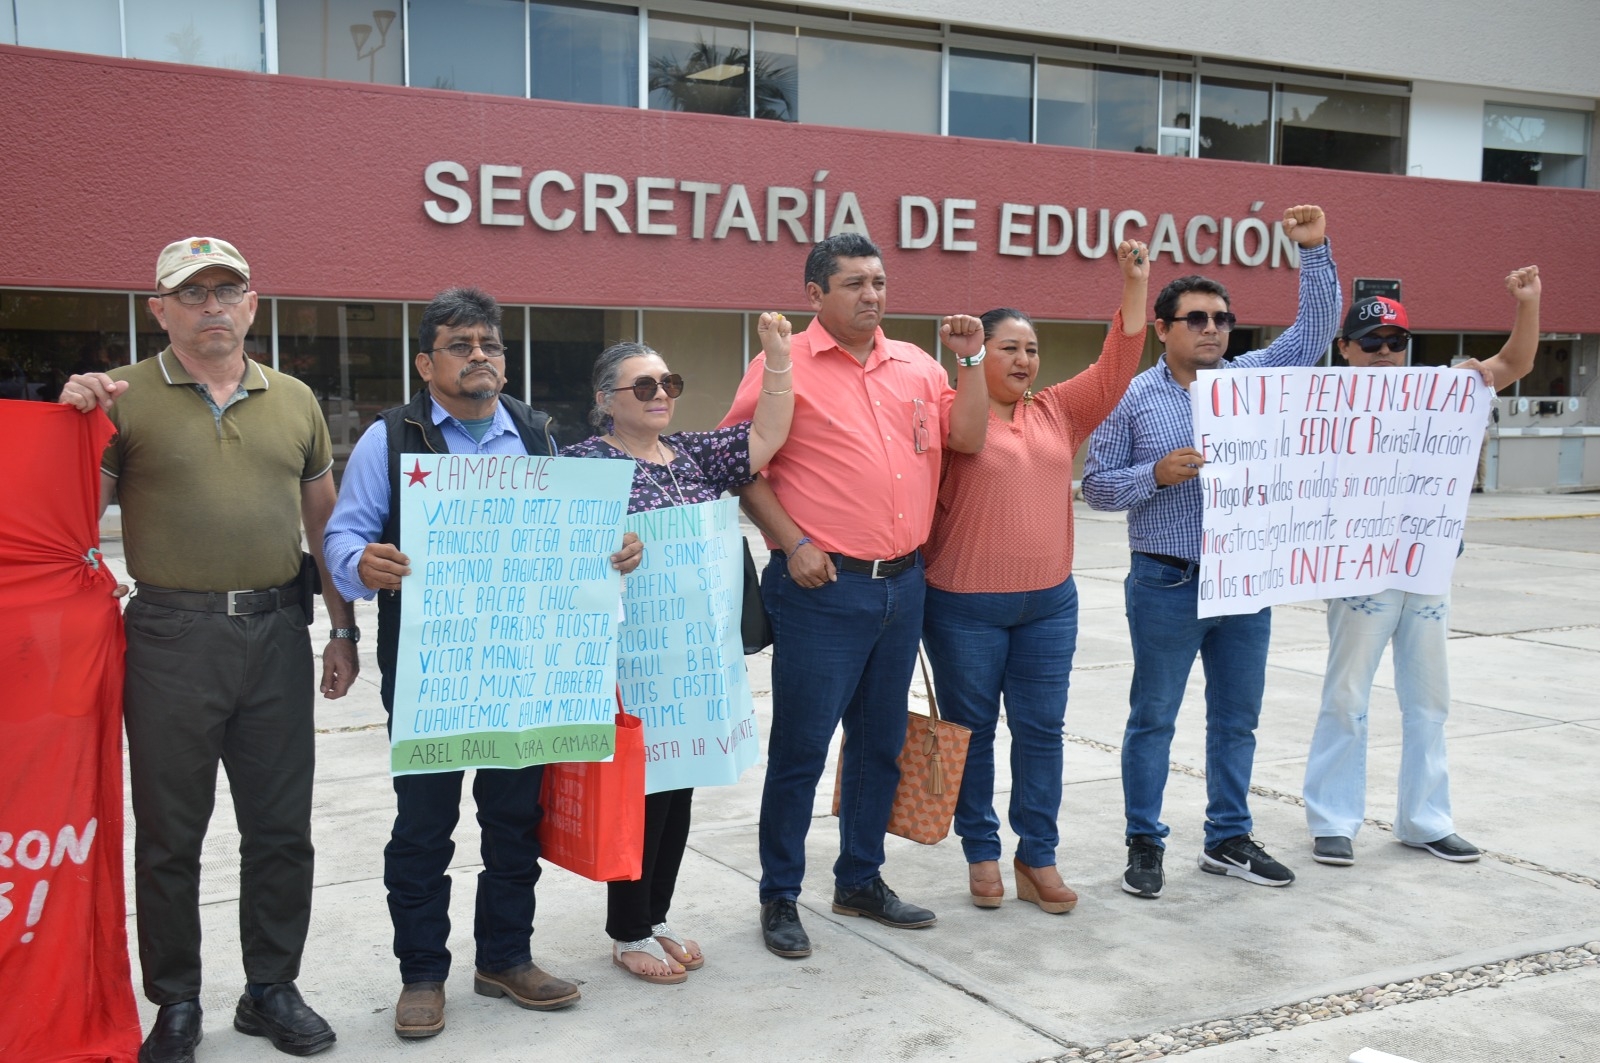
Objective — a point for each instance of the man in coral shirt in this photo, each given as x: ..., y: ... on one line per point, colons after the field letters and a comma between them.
x: 845, y: 505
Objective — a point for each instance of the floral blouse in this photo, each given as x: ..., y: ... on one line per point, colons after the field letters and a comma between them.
x: 704, y: 465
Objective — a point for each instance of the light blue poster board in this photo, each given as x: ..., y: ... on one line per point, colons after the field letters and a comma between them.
x: 681, y: 659
x: 508, y: 621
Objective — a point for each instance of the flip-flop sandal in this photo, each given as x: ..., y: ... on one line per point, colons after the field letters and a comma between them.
x: 652, y: 948
x: 662, y: 930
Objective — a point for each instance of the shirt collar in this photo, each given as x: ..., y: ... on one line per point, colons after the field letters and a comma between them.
x: 822, y: 340
x: 502, y: 419
x: 173, y: 372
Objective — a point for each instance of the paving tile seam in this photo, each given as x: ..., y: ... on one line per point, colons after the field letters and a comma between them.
x: 1179, y: 1040
x: 1537, y: 516
x: 1285, y: 797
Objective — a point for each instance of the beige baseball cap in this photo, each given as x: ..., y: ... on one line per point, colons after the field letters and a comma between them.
x: 182, y: 259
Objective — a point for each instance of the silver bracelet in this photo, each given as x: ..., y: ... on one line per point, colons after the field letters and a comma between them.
x: 779, y: 372
x: 785, y: 391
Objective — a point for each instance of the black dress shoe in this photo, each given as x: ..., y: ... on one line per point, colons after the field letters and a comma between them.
x: 174, y: 1035
x: 781, y: 930
x: 877, y: 901
x: 1452, y: 847
x: 285, y: 1019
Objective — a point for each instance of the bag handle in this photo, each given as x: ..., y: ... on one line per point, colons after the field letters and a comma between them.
x: 930, y: 741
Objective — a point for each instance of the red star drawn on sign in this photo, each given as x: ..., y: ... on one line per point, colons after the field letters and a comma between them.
x: 418, y: 476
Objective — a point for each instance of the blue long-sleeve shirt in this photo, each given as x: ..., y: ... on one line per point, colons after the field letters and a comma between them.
x: 1155, y: 417
x: 363, y: 506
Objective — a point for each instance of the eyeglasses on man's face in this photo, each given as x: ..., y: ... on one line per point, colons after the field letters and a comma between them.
x: 1196, y: 320
x: 196, y: 294
x: 644, y: 388
x: 1396, y: 343
x: 464, y: 350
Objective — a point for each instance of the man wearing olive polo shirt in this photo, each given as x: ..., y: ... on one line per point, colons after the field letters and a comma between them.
x: 217, y: 463
x: 845, y: 505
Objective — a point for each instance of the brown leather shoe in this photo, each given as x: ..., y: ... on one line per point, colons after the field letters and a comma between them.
x: 419, y: 1012
x: 1054, y: 898
x: 983, y: 880
x: 527, y: 986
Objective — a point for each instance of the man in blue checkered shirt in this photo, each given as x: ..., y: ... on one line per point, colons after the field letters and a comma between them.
x: 1142, y: 459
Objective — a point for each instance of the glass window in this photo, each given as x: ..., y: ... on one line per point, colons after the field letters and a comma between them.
x: 1125, y: 109
x: 708, y: 350
x: 869, y: 83
x: 699, y: 65
x: 69, y: 25
x: 225, y: 33
x: 45, y: 337
x: 352, y: 40
x: 585, y: 53
x: 991, y: 95
x: 1066, y: 104
x: 1234, y: 120
x: 565, y: 343
x: 349, y: 354
x: 1341, y: 130
x: 1534, y: 145
x: 469, y: 45
x: 777, y: 73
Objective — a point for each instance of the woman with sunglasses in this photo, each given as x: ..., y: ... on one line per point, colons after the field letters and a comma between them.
x: 1002, y: 608
x: 634, y: 396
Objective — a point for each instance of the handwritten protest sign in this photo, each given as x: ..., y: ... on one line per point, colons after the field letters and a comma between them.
x: 1324, y: 483
x: 508, y: 621
x: 681, y: 661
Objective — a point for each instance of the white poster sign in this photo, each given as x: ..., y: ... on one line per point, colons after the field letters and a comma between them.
x: 1327, y: 483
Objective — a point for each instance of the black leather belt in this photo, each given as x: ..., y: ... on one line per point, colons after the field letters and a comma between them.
x: 876, y: 569
x: 234, y: 603
x: 1166, y: 559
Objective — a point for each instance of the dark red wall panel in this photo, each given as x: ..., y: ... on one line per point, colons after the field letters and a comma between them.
x: 321, y: 185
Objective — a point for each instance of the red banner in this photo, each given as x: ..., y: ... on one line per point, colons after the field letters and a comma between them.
x: 63, y: 924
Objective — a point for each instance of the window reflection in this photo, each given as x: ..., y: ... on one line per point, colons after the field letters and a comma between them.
x: 469, y: 45
x: 45, y: 337
x: 1125, y: 109
x: 584, y: 53
x: 1341, y: 130
x: 991, y: 95
x: 1066, y: 104
x: 1534, y: 145
x: 777, y: 71
x: 225, y: 33
x: 699, y: 65
x: 869, y: 83
x: 352, y: 40
x: 69, y: 25
x: 348, y: 354
x: 1234, y: 120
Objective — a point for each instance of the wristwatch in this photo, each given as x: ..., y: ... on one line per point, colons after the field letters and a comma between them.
x: 351, y: 633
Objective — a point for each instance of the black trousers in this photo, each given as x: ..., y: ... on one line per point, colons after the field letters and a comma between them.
x: 632, y: 908
x: 204, y: 688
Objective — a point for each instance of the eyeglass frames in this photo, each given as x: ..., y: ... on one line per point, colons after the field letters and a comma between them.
x: 1374, y: 344
x: 644, y: 388
x: 1196, y: 320
x: 197, y: 294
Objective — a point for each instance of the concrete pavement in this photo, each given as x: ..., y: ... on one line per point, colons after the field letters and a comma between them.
x: 1015, y: 983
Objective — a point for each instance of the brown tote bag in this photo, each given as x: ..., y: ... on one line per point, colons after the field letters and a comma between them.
x: 932, y: 762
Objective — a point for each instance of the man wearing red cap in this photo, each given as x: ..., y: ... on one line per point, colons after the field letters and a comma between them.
x: 1377, y: 333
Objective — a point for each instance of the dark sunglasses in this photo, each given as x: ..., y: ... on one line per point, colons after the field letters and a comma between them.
x: 1374, y: 344
x: 1196, y: 320
x: 644, y: 388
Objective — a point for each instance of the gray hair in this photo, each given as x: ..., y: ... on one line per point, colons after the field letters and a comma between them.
x: 607, y: 368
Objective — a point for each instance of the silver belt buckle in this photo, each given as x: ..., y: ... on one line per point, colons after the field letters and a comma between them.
x: 875, y: 565
x: 233, y: 602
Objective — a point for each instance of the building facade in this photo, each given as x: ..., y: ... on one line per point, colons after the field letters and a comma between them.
x: 657, y: 172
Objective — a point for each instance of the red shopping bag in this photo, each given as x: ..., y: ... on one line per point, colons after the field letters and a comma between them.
x: 593, y: 823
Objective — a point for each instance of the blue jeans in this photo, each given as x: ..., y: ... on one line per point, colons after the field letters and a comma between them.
x: 1359, y: 629
x: 1167, y: 633
x: 841, y: 652
x: 418, y: 855
x: 1018, y: 645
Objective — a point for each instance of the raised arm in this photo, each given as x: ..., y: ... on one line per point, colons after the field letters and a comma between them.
x: 769, y: 427
x: 1515, y: 360
x: 1317, y: 320
x: 969, y: 413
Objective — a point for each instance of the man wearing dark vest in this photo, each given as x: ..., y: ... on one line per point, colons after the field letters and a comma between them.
x: 461, y: 411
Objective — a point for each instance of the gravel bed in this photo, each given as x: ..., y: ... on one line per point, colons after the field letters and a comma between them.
x: 1178, y: 1041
